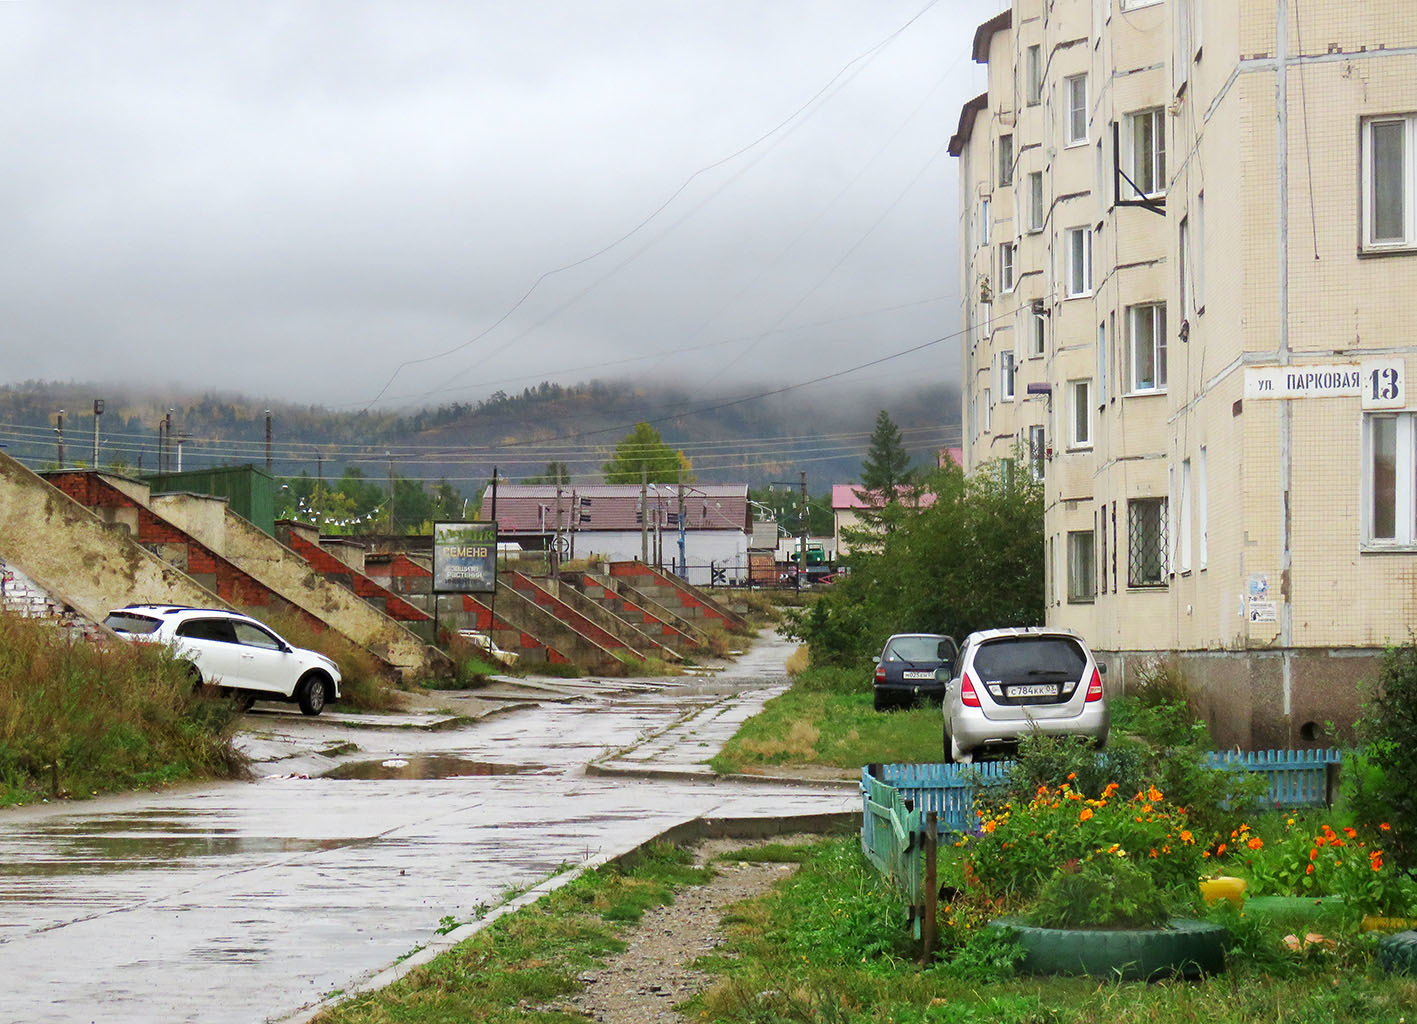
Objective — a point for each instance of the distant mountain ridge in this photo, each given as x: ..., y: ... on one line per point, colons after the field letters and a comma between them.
x: 727, y: 439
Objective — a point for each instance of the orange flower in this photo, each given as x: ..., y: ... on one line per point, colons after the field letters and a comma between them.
x: 1220, y: 849
x: 990, y: 825
x: 1314, y: 853
x: 1186, y: 836
x: 1153, y: 794
x: 1072, y: 775
x: 1377, y: 863
x: 1351, y: 833
x: 1255, y: 843
x: 1153, y: 854
x: 1385, y: 827
x: 1309, y: 870
x: 1085, y: 814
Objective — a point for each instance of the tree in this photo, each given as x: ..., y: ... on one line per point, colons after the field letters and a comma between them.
x: 886, y: 467
x: 643, y: 450
x: 556, y: 473
x: 972, y: 560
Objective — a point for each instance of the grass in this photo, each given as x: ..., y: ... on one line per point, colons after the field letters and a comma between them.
x: 79, y: 718
x: 512, y: 969
x: 827, y: 719
x: 830, y: 945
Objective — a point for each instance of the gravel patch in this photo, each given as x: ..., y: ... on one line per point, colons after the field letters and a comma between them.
x: 653, y: 975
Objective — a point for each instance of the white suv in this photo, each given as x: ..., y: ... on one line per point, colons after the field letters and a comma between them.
x: 1012, y: 683
x: 234, y: 652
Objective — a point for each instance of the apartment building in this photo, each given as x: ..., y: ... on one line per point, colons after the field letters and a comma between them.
x: 1188, y: 236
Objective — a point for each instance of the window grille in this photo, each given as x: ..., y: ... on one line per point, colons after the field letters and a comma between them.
x: 1146, y: 542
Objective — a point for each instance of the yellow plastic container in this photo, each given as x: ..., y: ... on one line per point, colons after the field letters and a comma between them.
x: 1225, y: 887
x: 1373, y: 923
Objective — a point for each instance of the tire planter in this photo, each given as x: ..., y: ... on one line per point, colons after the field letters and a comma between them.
x: 1397, y: 954
x: 1185, y: 947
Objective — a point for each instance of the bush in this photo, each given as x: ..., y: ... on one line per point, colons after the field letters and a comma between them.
x: 1104, y: 891
x: 1390, y: 727
x: 78, y: 716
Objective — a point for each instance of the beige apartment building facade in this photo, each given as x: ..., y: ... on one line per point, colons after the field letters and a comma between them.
x: 1188, y: 253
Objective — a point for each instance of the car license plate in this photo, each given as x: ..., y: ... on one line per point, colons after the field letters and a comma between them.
x: 1033, y: 690
x: 919, y: 675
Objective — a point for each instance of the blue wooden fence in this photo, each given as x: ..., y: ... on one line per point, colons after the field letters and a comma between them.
x: 890, y: 837
x: 1297, y: 778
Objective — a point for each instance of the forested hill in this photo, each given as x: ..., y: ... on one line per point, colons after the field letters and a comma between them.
x: 727, y: 440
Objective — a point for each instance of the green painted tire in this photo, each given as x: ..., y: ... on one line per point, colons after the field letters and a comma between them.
x: 1397, y: 954
x: 1185, y: 947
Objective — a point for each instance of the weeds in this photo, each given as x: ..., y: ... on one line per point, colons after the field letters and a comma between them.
x: 78, y: 717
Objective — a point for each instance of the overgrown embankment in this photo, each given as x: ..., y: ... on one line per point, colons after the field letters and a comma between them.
x: 78, y: 718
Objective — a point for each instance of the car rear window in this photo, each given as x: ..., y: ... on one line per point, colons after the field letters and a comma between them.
x: 1021, y: 658
x: 126, y: 622
x: 920, y: 648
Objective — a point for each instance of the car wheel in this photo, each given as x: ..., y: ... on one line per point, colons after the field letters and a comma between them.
x: 947, y: 756
x: 311, y: 694
x: 243, y: 700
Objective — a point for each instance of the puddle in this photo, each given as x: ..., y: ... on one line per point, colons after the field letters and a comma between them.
x: 427, y: 766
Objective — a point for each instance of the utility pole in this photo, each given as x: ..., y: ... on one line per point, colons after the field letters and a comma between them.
x: 59, y: 430
x: 644, y: 514
x: 683, y: 563
x: 494, y: 495
x: 97, y: 412
x: 167, y: 444
x: 802, y: 543
x: 390, y: 457
x: 268, y: 441
x: 554, y: 562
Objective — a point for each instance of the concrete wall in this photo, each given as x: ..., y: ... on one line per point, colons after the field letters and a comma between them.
x: 678, y: 594
x: 246, y: 567
x: 1246, y: 702
x: 80, y: 560
x: 22, y: 596
x: 639, y: 613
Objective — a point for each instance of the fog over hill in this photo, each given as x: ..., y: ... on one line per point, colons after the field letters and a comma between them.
x: 751, y: 437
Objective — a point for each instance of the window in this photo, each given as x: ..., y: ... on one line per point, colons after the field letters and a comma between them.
x: 255, y: 636
x: 1102, y: 546
x: 1035, y: 201
x: 1101, y: 363
x: 1006, y: 160
x: 1390, y: 479
x: 1033, y: 70
x: 988, y: 401
x: 1075, y: 110
x: 1006, y: 376
x: 1037, y: 334
x: 984, y: 221
x: 1077, y: 275
x: 1036, y: 451
x: 1146, y: 542
x: 1132, y: 5
x: 1082, y: 567
x: 1203, y: 534
x: 1146, y: 326
x: 1080, y: 413
x: 1183, y: 525
x: 1006, y: 266
x: 1198, y: 264
x: 1144, y: 153
x: 1389, y: 187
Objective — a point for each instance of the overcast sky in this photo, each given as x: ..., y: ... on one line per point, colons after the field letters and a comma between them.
x: 292, y: 199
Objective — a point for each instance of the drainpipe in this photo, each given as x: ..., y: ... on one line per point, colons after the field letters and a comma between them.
x: 1286, y: 413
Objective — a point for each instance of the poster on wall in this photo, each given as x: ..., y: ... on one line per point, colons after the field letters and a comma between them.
x: 464, y: 558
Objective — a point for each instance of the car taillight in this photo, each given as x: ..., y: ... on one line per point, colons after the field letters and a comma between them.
x: 1094, y: 688
x: 967, y: 696
x: 880, y: 673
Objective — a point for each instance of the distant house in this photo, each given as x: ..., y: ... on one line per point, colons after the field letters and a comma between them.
x: 847, y: 505
x: 611, y: 522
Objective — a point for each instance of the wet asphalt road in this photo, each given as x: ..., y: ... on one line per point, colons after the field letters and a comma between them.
x: 242, y: 902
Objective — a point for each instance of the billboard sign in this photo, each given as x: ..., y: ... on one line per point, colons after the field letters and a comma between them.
x: 464, y: 558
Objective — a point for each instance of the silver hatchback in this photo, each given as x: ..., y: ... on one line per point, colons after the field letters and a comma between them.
x: 1012, y: 683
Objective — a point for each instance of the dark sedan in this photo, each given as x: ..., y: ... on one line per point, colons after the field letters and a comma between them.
x: 905, y: 669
